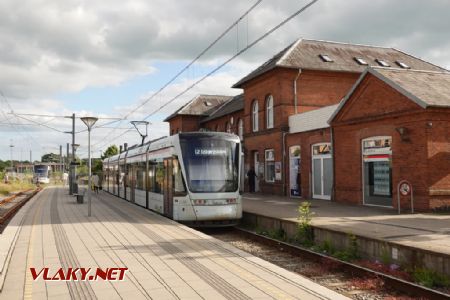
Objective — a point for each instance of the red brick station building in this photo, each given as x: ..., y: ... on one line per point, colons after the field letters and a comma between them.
x: 339, y: 122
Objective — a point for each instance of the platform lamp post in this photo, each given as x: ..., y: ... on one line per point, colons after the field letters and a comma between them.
x: 75, y: 183
x: 142, y: 134
x: 89, y: 121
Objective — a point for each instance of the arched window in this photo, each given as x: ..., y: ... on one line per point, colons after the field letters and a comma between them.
x: 269, y: 112
x: 241, y: 129
x: 228, y: 127
x: 255, y: 115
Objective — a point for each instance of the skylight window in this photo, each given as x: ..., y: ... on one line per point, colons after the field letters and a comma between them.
x: 402, y: 65
x: 207, y: 103
x: 382, y: 63
x: 325, y: 58
x: 361, y: 61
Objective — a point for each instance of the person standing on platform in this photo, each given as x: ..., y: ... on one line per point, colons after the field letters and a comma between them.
x: 95, y: 181
x: 251, y: 174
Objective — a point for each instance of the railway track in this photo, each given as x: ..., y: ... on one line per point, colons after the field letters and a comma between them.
x: 10, y: 205
x: 346, y: 278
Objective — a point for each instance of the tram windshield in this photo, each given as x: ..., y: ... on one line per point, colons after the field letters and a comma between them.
x: 41, y: 170
x: 211, y: 164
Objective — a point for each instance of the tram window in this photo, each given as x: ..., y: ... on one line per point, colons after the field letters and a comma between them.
x: 151, y: 177
x: 177, y: 178
x: 159, y: 178
x: 140, y: 176
x: 211, y: 165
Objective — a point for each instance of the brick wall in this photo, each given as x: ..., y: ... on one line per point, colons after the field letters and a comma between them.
x: 221, y: 122
x: 305, y: 140
x: 184, y: 123
x: 438, y: 131
x: 375, y: 109
x: 315, y: 89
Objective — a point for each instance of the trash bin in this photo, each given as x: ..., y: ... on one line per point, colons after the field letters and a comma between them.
x: 80, y: 198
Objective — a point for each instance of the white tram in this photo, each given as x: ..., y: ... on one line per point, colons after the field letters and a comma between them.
x: 191, y: 177
x: 42, y: 173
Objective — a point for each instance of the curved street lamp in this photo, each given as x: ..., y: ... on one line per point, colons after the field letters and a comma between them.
x: 89, y: 121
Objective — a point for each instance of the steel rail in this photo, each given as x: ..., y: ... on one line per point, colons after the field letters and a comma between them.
x: 389, y: 281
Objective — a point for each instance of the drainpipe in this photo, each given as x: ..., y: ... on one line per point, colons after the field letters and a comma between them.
x: 333, y: 186
x: 285, y: 131
x: 295, y: 90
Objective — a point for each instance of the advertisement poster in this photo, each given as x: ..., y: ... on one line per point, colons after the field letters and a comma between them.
x: 278, y: 170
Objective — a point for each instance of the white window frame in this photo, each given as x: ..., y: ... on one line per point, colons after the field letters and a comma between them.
x: 269, y: 112
x: 320, y: 156
x: 255, y: 115
x: 241, y: 128
x: 266, y: 161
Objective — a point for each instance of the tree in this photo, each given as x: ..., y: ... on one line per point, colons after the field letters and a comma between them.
x: 111, y: 151
x: 50, y: 157
x: 97, y: 166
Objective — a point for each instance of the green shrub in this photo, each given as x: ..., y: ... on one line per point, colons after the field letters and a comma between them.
x: 305, y: 232
x: 352, y: 251
x: 327, y: 247
x: 430, y: 278
x: 277, y: 233
x: 386, y: 255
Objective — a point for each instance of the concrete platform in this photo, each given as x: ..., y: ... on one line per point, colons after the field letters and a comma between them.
x: 426, y: 231
x: 166, y: 260
x: 421, y: 233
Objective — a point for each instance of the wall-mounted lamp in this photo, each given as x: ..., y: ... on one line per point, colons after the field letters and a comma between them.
x: 404, y: 133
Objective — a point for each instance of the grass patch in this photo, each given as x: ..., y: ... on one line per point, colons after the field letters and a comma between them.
x: 14, y: 186
x: 430, y: 278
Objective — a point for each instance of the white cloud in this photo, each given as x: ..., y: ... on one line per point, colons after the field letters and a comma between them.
x: 54, y: 47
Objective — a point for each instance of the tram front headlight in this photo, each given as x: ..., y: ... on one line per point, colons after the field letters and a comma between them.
x: 199, y: 202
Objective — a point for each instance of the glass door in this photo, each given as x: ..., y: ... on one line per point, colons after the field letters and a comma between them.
x: 322, y: 171
x: 295, y: 172
x: 256, y: 162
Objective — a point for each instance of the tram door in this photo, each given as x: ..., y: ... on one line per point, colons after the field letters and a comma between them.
x: 168, y: 187
x: 132, y: 182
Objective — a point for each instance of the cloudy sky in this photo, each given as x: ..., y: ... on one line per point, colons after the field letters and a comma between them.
x: 104, y: 58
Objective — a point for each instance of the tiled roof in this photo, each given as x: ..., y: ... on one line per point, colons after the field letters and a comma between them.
x: 311, y: 120
x: 231, y: 106
x: 426, y: 88
x: 201, y: 105
x: 305, y: 54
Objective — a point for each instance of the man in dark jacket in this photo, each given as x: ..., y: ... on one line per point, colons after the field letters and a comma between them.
x: 251, y: 174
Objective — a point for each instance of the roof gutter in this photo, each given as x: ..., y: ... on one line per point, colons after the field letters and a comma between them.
x: 295, y: 90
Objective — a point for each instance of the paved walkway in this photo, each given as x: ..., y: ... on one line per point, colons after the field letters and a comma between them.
x: 425, y: 231
x: 166, y: 260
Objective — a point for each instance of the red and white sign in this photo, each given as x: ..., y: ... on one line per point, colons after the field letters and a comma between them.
x: 405, y: 189
x: 376, y: 157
